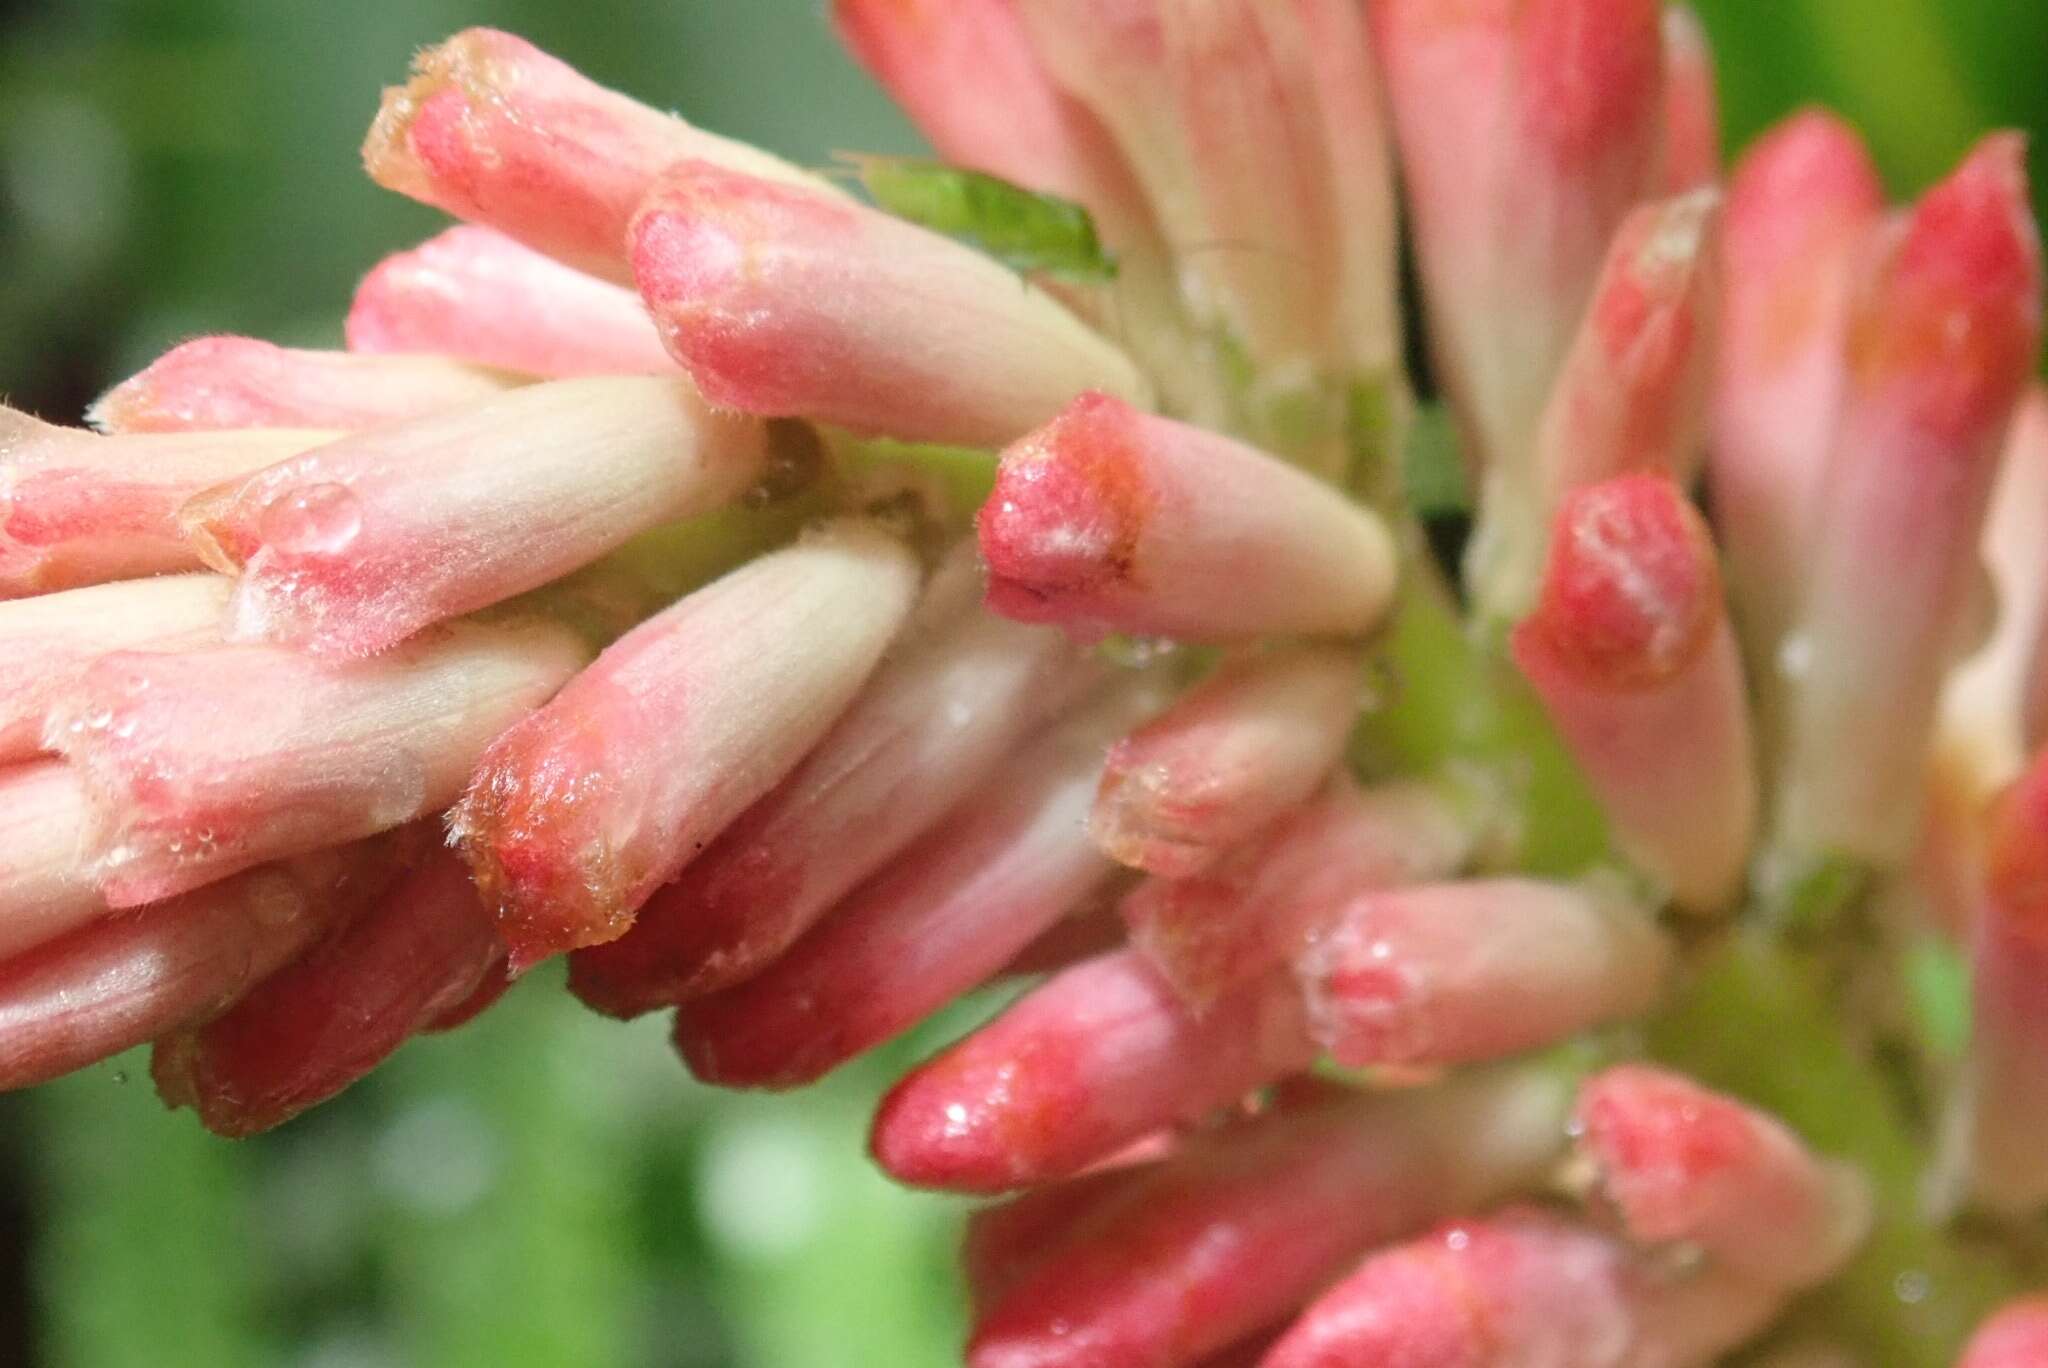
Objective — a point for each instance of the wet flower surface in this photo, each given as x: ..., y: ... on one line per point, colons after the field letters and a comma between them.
x: 801, y: 608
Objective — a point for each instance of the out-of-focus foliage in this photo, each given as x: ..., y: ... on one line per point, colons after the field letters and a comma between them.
x: 543, y: 1188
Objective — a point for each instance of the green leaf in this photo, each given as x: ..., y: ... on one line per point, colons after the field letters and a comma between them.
x: 1938, y: 985
x: 1434, y: 465
x: 1025, y: 230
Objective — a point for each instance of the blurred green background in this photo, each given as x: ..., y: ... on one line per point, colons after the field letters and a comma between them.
x: 543, y: 1188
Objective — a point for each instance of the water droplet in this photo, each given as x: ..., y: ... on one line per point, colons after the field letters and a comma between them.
x: 1795, y: 656
x: 120, y: 1075
x: 318, y: 520
x: 1911, y: 1287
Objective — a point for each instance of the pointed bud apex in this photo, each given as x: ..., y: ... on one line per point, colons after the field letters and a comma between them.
x: 581, y: 811
x: 1683, y: 1165
x: 205, y: 762
x: 474, y: 293
x: 879, y: 779
x: 46, y: 642
x: 134, y: 976
x: 1459, y: 972
x: 351, y: 548
x: 77, y: 508
x: 1241, y: 1225
x: 786, y: 302
x: 1692, y: 112
x: 1265, y: 902
x: 1802, y: 204
x: 217, y: 383
x: 311, y: 1029
x: 1251, y: 742
x: 1097, y: 1057
x: 1109, y: 519
x: 493, y: 130
x: 944, y: 916
x: 1523, y: 1287
x: 1631, y: 652
x: 1942, y: 339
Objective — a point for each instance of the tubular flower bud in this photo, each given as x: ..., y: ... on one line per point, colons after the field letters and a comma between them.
x: 1990, y: 699
x: 46, y: 642
x: 577, y: 814
x: 1630, y: 396
x: 46, y: 875
x: 1995, y: 1155
x: 1099, y: 1056
x: 1453, y: 973
x: 1631, y: 652
x: 1108, y: 519
x: 1941, y: 341
x: 1266, y: 901
x: 77, y: 508
x: 216, y: 383
x: 493, y: 130
x: 1241, y: 1225
x: 1527, y: 129
x: 201, y: 763
x: 136, y: 975
x: 783, y: 301
x: 877, y: 781
x: 1802, y: 204
x: 1006, y: 1240
x: 473, y: 293
x: 1248, y: 745
x: 1684, y: 1165
x: 2017, y: 1337
x: 317, y: 1025
x: 1523, y: 1287
x: 351, y: 548
x: 947, y: 914
x: 1692, y: 108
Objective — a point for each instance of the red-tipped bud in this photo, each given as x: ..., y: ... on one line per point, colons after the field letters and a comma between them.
x: 1683, y: 1165
x: 77, y: 508
x: 1692, y: 111
x: 353, y: 547
x: 1264, y: 903
x: 1241, y: 1225
x: 1526, y: 131
x: 581, y: 811
x: 1631, y: 652
x: 1006, y: 1240
x: 1802, y: 203
x: 494, y: 130
x: 786, y: 302
x: 134, y: 976
x: 1524, y: 1287
x: 1942, y: 339
x: 942, y: 918
x: 1099, y: 1056
x: 1250, y: 743
x: 216, y: 383
x: 46, y: 642
x: 880, y: 779
x: 201, y: 763
x: 1458, y: 972
x: 313, y: 1028
x: 472, y: 292
x: 1108, y: 519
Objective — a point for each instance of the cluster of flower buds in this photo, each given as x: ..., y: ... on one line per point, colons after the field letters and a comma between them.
x: 800, y: 610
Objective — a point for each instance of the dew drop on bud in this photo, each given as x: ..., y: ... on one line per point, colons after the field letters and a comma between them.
x: 319, y: 520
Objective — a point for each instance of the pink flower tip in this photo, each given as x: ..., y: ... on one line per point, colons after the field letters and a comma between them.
x: 1632, y: 592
